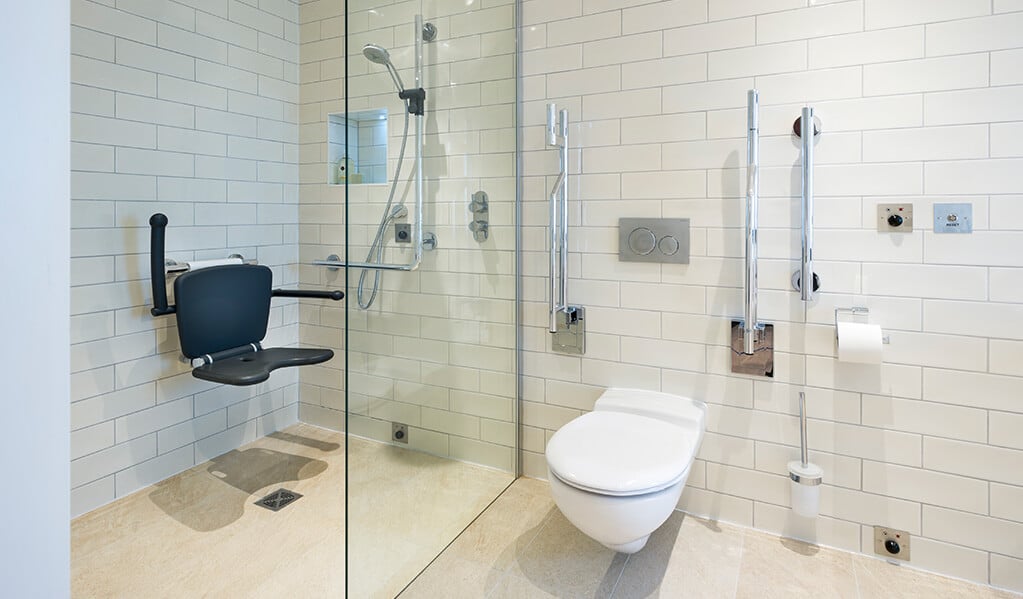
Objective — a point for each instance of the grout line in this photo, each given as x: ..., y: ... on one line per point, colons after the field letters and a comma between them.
x: 628, y: 558
x: 450, y: 543
x: 742, y: 555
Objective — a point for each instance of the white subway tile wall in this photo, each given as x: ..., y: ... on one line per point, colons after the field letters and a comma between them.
x: 190, y: 109
x: 436, y: 351
x: 196, y: 110
x: 920, y: 102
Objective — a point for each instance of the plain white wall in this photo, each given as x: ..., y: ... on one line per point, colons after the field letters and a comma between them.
x: 34, y: 554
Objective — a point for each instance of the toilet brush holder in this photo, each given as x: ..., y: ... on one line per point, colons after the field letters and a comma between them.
x: 805, y: 478
x: 805, y: 481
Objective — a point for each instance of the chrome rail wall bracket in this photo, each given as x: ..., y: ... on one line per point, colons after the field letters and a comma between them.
x: 805, y: 273
x: 567, y: 323
x: 752, y: 342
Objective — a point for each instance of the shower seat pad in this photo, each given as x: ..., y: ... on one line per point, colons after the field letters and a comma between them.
x: 255, y: 367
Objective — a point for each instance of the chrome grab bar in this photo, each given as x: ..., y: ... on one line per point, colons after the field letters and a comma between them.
x: 806, y: 270
x: 329, y: 263
x: 804, y: 279
x: 557, y: 135
x: 750, y: 325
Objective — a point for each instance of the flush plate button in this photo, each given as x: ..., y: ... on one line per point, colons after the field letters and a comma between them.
x: 642, y: 241
x: 653, y: 240
x: 668, y: 246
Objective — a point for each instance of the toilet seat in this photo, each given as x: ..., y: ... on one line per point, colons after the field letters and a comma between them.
x: 621, y: 454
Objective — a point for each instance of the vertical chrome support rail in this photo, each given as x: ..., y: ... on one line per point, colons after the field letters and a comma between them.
x: 752, y: 342
x: 557, y: 135
x: 750, y: 324
x: 417, y: 228
x: 563, y: 223
x: 806, y: 276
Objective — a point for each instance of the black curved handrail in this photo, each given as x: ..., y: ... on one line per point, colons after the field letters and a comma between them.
x: 157, y: 239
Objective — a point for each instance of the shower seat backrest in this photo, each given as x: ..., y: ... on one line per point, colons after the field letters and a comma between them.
x: 222, y: 307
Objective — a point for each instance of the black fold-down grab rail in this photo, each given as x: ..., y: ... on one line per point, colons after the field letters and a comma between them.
x: 157, y: 239
x: 157, y: 268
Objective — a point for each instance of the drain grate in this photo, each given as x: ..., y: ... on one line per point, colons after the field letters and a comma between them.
x: 278, y: 499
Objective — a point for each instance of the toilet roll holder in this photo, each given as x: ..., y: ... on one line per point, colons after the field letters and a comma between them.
x: 856, y: 311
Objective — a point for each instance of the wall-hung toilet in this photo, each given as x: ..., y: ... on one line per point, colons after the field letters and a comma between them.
x: 617, y: 472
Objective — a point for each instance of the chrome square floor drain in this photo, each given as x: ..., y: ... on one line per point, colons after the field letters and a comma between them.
x: 278, y: 499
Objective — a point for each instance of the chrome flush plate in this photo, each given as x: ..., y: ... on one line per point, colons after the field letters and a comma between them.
x: 653, y: 240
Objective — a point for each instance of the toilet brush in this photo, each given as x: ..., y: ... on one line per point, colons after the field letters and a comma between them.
x: 804, y: 477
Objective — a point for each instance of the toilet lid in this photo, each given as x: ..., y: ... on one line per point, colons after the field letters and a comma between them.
x: 614, y: 453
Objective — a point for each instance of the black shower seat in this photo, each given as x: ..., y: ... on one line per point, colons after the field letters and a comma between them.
x: 222, y: 314
x: 255, y: 366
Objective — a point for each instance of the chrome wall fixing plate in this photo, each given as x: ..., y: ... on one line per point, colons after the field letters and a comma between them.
x: 571, y: 335
x: 761, y: 361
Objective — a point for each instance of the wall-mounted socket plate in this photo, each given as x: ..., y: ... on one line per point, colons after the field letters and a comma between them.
x: 399, y: 432
x: 895, y: 218
x: 891, y: 543
x: 953, y: 218
x: 402, y: 233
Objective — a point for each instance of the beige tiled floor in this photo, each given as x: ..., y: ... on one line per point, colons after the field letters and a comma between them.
x: 523, y: 547
x: 198, y: 534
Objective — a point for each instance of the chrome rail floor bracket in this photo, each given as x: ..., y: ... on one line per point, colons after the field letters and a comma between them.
x: 761, y: 361
x: 571, y: 335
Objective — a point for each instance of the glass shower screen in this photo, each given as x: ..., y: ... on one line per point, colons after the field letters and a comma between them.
x: 415, y: 214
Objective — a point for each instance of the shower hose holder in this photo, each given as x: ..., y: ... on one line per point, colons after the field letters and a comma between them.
x: 416, y: 99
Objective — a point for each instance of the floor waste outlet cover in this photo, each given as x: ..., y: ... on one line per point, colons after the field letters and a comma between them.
x: 278, y: 499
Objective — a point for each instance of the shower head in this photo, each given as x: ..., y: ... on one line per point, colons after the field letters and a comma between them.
x: 380, y: 55
x: 377, y: 54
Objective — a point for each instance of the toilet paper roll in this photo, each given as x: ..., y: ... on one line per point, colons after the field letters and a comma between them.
x: 859, y: 342
x: 200, y: 264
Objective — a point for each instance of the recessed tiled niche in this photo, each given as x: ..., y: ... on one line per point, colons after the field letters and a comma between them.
x: 366, y: 158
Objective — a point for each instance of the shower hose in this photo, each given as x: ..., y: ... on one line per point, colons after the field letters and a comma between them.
x: 376, y: 249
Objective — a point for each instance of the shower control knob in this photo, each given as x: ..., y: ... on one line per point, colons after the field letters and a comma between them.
x: 895, y: 220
